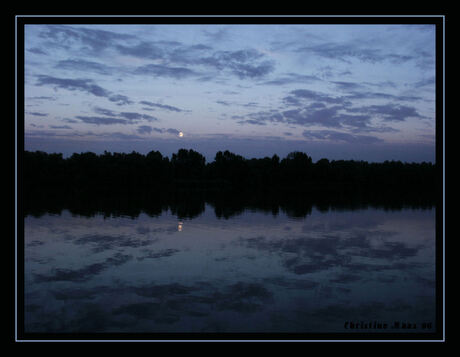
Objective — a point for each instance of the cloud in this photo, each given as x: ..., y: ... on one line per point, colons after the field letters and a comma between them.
x: 136, y: 116
x: 261, y: 118
x: 142, y: 50
x: 149, y: 129
x: 169, y: 53
x: 144, y: 129
x: 327, y: 72
x: 200, y: 47
x: 290, y: 78
x: 325, y: 116
x: 390, y: 111
x: 345, y: 52
x: 165, y: 71
x: 311, y: 108
x: 103, y: 111
x: 430, y: 81
x: 101, y: 120
x: 37, y: 51
x: 41, y: 98
x: 37, y: 114
x: 252, y: 121
x: 90, y: 39
x: 425, y: 60
x: 356, y: 121
x: 299, y: 96
x: 218, y: 35
x: 339, y: 52
x: 173, y: 131
x: 83, y: 65
x: 120, y: 99
x: 382, y: 84
x: 60, y: 127
x: 380, y: 95
x: 161, y: 106
x: 120, y: 136
x: 223, y: 102
x: 331, y: 135
x: 174, y: 59
x: 112, y: 117
x: 83, y: 85
x: 250, y: 104
x: 347, y: 85
x: 359, y: 91
x: 243, y: 71
x: 248, y: 63
x: 314, y: 114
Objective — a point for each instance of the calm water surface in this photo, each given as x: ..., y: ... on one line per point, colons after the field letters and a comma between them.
x: 252, y: 272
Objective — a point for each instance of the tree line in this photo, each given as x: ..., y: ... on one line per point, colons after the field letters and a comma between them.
x: 114, y: 172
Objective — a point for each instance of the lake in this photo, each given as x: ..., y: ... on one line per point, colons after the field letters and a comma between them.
x: 326, y: 270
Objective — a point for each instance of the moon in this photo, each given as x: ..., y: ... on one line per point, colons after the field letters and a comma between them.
x: 181, y: 134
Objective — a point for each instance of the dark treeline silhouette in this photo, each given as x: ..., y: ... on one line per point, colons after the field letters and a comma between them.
x: 127, y: 184
x: 188, y: 169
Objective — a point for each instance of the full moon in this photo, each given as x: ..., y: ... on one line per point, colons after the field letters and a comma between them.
x: 181, y: 134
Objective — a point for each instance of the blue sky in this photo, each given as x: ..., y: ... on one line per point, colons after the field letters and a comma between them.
x: 362, y: 92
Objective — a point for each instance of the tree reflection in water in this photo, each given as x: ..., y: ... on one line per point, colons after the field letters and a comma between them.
x: 188, y: 204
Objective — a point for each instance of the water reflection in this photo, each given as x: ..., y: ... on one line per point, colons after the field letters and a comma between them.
x: 288, y: 267
x: 224, y: 204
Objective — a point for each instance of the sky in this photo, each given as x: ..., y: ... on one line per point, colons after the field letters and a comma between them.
x: 360, y: 92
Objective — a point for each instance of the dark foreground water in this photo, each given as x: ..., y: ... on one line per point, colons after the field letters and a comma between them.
x: 255, y: 271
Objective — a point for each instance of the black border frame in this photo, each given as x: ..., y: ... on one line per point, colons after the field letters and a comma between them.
x: 438, y: 20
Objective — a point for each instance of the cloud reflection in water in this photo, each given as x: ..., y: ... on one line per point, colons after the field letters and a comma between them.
x: 148, y: 274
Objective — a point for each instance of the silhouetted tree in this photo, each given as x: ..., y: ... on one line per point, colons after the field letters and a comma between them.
x: 188, y: 164
x: 230, y: 167
x: 296, y: 167
x: 116, y: 172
